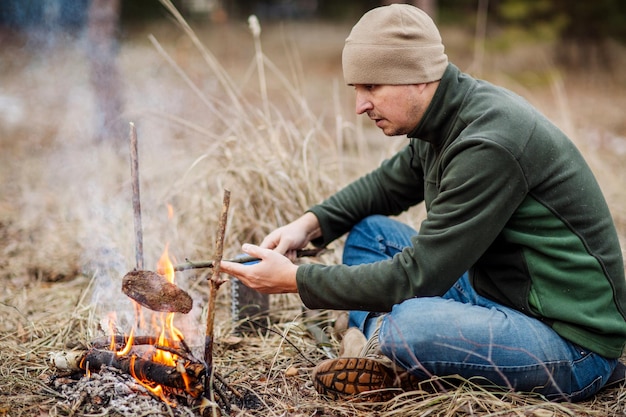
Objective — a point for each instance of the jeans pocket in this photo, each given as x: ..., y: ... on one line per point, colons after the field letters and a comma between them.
x: 587, y: 391
x: 590, y: 371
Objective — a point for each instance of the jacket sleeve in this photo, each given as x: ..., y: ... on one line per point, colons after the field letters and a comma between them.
x: 389, y: 190
x: 480, y: 186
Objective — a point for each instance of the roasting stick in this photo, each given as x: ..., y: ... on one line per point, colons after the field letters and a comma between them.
x: 241, y: 259
x: 134, y: 173
x: 215, y: 283
x: 152, y: 290
x: 147, y: 288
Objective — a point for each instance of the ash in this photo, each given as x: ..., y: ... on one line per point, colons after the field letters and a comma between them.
x: 112, y: 393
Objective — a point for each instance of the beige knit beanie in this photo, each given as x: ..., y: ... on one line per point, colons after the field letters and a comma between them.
x: 395, y: 44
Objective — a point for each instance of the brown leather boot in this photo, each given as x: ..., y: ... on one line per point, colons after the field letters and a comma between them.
x: 343, y: 378
x: 366, y: 376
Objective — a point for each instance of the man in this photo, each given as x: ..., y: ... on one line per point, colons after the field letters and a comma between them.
x: 516, y: 277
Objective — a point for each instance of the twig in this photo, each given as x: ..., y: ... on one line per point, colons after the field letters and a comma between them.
x: 215, y: 282
x: 177, y: 352
x: 242, y: 260
x: 134, y: 173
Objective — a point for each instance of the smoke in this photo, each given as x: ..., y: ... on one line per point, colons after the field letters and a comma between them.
x: 69, y: 183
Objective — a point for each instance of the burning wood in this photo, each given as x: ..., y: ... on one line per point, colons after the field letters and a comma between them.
x: 165, y: 368
x: 119, y: 341
x: 185, y: 377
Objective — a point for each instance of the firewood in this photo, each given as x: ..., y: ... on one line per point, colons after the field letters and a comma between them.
x: 187, y: 376
x: 155, y: 292
x: 120, y: 341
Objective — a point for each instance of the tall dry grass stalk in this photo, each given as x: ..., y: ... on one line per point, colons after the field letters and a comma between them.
x: 275, y: 155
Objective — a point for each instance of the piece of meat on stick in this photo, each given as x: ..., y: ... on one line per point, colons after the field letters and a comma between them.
x: 155, y: 292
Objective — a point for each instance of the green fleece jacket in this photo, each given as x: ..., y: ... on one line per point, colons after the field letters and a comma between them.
x: 509, y: 198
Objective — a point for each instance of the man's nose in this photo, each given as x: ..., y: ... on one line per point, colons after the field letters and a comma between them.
x: 363, y: 104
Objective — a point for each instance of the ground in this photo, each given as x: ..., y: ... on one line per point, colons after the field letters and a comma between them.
x: 208, y: 120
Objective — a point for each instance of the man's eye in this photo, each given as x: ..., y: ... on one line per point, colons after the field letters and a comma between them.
x: 365, y: 87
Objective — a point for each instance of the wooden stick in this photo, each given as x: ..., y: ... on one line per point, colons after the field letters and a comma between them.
x: 242, y: 260
x: 215, y: 283
x: 134, y: 173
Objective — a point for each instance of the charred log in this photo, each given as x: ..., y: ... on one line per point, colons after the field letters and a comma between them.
x: 120, y: 341
x: 186, y: 376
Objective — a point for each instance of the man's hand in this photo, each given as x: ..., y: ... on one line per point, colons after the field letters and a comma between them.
x: 293, y: 236
x: 274, y: 274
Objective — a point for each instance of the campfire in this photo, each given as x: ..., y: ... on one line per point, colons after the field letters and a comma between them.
x: 155, y: 355
x: 162, y: 363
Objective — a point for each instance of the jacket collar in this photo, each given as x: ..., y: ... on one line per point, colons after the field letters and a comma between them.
x: 441, y: 113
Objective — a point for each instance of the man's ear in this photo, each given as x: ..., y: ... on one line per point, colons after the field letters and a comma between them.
x: 430, y: 86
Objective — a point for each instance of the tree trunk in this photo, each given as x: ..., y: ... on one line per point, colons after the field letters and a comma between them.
x: 102, y: 31
x: 429, y: 6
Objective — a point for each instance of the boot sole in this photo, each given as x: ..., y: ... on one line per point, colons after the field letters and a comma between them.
x: 344, y: 378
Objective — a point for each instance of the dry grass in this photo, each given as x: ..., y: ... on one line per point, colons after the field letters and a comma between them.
x: 208, y: 119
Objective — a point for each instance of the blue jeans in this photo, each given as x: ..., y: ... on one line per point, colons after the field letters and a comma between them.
x: 462, y: 333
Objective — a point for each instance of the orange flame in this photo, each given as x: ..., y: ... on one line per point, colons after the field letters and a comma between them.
x: 163, y: 325
x: 129, y: 344
x: 165, y: 266
x: 166, y: 325
x: 154, y: 389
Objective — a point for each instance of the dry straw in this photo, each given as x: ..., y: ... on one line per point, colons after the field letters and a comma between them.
x: 277, y: 157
